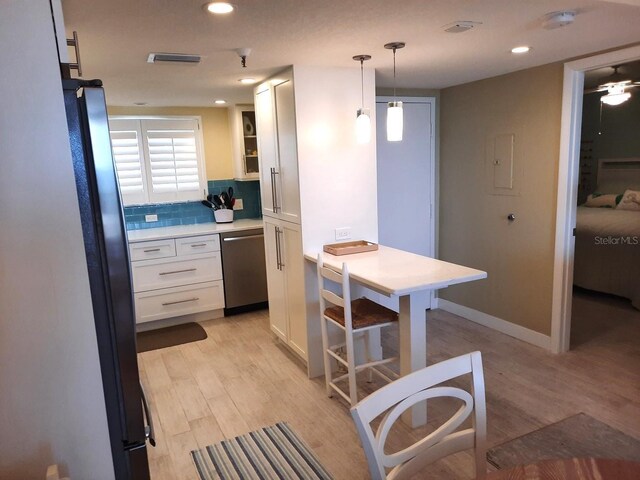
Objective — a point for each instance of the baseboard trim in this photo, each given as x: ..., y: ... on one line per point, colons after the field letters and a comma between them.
x: 516, y: 331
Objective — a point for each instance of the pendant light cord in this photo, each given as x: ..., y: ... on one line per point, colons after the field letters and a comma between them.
x: 362, y: 80
x: 394, y: 74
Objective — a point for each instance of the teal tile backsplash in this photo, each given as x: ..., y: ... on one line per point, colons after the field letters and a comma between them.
x: 189, y: 213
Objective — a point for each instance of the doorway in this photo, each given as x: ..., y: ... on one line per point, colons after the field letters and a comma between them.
x: 407, y: 178
x: 568, y: 179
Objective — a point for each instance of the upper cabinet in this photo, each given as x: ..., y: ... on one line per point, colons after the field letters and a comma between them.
x: 242, y: 119
x: 277, y: 142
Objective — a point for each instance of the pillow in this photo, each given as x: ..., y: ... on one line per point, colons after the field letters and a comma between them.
x: 603, y: 200
x: 630, y: 201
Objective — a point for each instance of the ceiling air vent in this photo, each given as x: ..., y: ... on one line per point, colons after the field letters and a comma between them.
x: 460, y: 26
x: 173, y: 57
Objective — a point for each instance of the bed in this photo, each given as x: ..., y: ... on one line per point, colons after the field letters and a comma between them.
x: 607, y: 250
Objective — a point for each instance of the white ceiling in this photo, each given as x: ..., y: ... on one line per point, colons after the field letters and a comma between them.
x: 117, y: 35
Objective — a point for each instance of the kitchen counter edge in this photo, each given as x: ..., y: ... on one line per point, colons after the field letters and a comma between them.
x: 180, y: 231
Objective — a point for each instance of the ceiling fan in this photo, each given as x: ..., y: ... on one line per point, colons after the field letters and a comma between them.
x: 616, y: 86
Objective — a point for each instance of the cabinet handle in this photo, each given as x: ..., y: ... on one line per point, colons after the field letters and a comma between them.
x: 149, y: 250
x: 280, y: 232
x: 277, y: 229
x: 73, y: 42
x: 196, y: 245
x: 274, y: 191
x: 246, y: 237
x: 194, y: 299
x: 178, y: 271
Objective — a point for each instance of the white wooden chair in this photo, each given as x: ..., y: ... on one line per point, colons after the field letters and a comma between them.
x: 356, y: 319
x: 400, y: 395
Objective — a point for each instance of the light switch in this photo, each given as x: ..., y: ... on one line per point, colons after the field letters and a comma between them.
x: 238, y: 205
x: 151, y: 218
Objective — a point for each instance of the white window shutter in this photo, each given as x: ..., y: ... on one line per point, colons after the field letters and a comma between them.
x: 175, y: 168
x: 126, y: 144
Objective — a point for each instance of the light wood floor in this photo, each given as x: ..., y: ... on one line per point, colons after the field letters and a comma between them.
x: 240, y: 379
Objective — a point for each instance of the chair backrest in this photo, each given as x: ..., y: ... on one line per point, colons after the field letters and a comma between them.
x: 405, y: 392
x: 341, y: 278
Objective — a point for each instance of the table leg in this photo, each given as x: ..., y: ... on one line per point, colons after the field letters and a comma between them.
x: 413, y: 346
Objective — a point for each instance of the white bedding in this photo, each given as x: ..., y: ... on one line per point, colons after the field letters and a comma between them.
x: 607, y: 255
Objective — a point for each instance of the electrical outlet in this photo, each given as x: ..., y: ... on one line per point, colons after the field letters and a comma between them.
x: 151, y: 218
x: 343, y: 233
x: 238, y: 205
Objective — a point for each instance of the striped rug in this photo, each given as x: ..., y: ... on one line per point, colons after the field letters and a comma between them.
x: 273, y: 452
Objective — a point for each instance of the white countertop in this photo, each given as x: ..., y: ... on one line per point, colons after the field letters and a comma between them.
x: 396, y: 272
x: 178, y: 231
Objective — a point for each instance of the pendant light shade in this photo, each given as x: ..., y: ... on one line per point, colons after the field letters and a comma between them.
x: 394, y: 109
x: 363, y: 119
x: 363, y: 126
x: 394, y: 121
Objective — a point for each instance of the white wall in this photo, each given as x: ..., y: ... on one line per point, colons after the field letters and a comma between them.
x: 337, y: 175
x: 51, y: 401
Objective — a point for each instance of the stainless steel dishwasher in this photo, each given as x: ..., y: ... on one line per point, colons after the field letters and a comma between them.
x: 244, y: 269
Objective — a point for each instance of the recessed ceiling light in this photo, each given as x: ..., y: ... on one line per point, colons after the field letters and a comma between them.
x: 220, y: 8
x: 220, y: 102
x: 247, y: 81
x: 523, y: 49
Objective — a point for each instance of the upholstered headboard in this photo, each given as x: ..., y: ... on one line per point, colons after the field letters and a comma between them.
x: 615, y: 175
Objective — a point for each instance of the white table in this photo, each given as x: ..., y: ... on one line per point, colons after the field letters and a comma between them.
x: 410, y: 277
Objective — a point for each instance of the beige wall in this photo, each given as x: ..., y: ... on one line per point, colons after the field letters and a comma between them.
x: 473, y: 227
x: 216, y: 134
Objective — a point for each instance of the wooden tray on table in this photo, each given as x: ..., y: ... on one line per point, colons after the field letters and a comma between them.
x: 347, y: 248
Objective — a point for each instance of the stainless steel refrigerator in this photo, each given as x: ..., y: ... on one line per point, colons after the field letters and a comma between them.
x: 106, y: 249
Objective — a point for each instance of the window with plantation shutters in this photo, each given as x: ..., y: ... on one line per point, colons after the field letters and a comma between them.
x: 170, y: 160
x: 126, y: 143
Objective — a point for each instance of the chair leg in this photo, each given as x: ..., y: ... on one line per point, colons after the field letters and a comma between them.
x: 351, y: 361
x: 328, y: 377
x: 367, y: 349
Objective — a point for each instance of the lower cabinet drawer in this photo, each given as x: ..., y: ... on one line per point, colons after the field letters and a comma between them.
x: 172, y: 302
x: 177, y: 271
x: 154, y: 249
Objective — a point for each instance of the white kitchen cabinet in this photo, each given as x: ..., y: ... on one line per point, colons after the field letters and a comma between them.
x: 285, y: 282
x: 309, y: 156
x: 152, y: 250
x: 176, y: 276
x: 267, y: 146
x: 277, y: 141
x: 176, y: 301
x: 242, y: 119
x: 275, y: 280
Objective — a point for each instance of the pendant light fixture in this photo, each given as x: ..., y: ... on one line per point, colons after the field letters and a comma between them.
x: 394, y: 109
x: 363, y: 120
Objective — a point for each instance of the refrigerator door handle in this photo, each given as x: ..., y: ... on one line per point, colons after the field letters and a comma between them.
x: 149, y: 432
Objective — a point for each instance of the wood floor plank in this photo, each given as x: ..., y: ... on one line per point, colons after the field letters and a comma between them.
x: 206, y: 431
x: 229, y: 418
x: 176, y: 365
x: 181, y: 446
x: 193, y: 402
x: 170, y: 412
